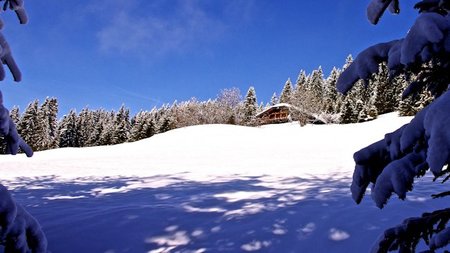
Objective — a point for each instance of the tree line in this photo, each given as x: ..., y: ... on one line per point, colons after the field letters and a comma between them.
x: 312, y: 94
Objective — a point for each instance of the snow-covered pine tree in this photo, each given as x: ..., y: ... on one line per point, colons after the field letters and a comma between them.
x: 50, y: 118
x: 286, y: 93
x: 166, y: 121
x: 347, y: 111
x: 316, y: 83
x: 15, y: 114
x: 106, y: 137
x: 149, y: 129
x: 274, y: 99
x: 393, y: 163
x: 250, y: 106
x: 348, y: 61
x: 121, y: 126
x: 330, y: 93
x: 300, y: 96
x: 300, y: 87
x: 386, y: 100
x: 85, y: 126
x: 68, y: 131
x: 137, y: 126
x: 99, y: 116
x: 31, y: 127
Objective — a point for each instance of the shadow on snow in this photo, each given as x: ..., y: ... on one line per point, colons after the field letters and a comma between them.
x: 169, y: 214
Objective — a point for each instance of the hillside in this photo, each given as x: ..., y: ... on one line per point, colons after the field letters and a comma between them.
x: 212, y: 188
x: 284, y: 149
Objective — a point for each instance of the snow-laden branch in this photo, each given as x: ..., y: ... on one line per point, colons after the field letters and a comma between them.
x: 19, y: 231
x: 392, y: 164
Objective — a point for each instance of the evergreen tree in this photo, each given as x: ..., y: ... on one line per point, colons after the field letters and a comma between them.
x: 149, y: 127
x: 330, y: 92
x: 250, y: 106
x: 347, y: 114
x: 301, y: 80
x: 121, y: 126
x: 316, y: 84
x: 69, y: 131
x: 50, y: 119
x: 274, y: 99
x: 348, y: 61
x: 406, y: 107
x: 85, y: 127
x: 15, y: 114
x: 108, y: 127
x: 286, y: 93
x: 166, y: 121
x: 137, y: 126
x: 386, y: 97
x: 31, y: 127
x: 299, y: 93
x: 99, y: 118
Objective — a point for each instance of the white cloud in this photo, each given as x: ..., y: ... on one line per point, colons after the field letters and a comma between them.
x: 154, y: 29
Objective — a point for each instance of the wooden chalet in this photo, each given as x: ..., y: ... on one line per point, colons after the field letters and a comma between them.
x: 279, y: 113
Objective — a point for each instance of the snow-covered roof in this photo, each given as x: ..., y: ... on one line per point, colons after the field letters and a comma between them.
x: 274, y: 107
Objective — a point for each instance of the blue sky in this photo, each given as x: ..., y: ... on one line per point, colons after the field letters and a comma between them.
x: 143, y: 53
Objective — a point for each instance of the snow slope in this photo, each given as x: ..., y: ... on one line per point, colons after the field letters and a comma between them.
x: 213, y: 188
x: 214, y: 150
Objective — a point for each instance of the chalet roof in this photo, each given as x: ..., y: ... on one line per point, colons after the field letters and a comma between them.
x: 276, y: 106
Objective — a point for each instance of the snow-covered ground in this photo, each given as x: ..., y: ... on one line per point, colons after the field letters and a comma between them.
x: 215, y: 150
x: 212, y: 188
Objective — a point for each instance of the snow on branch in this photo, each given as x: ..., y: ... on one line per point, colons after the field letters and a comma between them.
x: 19, y: 231
x: 391, y: 164
x: 431, y: 228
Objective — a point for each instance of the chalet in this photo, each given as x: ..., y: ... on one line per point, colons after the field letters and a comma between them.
x: 278, y: 113
x: 283, y: 112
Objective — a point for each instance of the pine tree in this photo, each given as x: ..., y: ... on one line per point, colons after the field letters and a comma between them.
x: 137, y: 126
x: 15, y: 114
x: 330, y: 92
x: 166, y: 121
x: 316, y: 83
x: 108, y: 127
x: 121, y: 126
x: 301, y: 79
x: 85, y: 127
x: 286, y: 93
x: 406, y: 107
x: 348, y: 61
x: 274, y: 99
x: 99, y: 117
x: 347, y: 113
x: 250, y: 106
x: 49, y: 116
x: 69, y: 131
x: 149, y: 128
x: 31, y: 127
